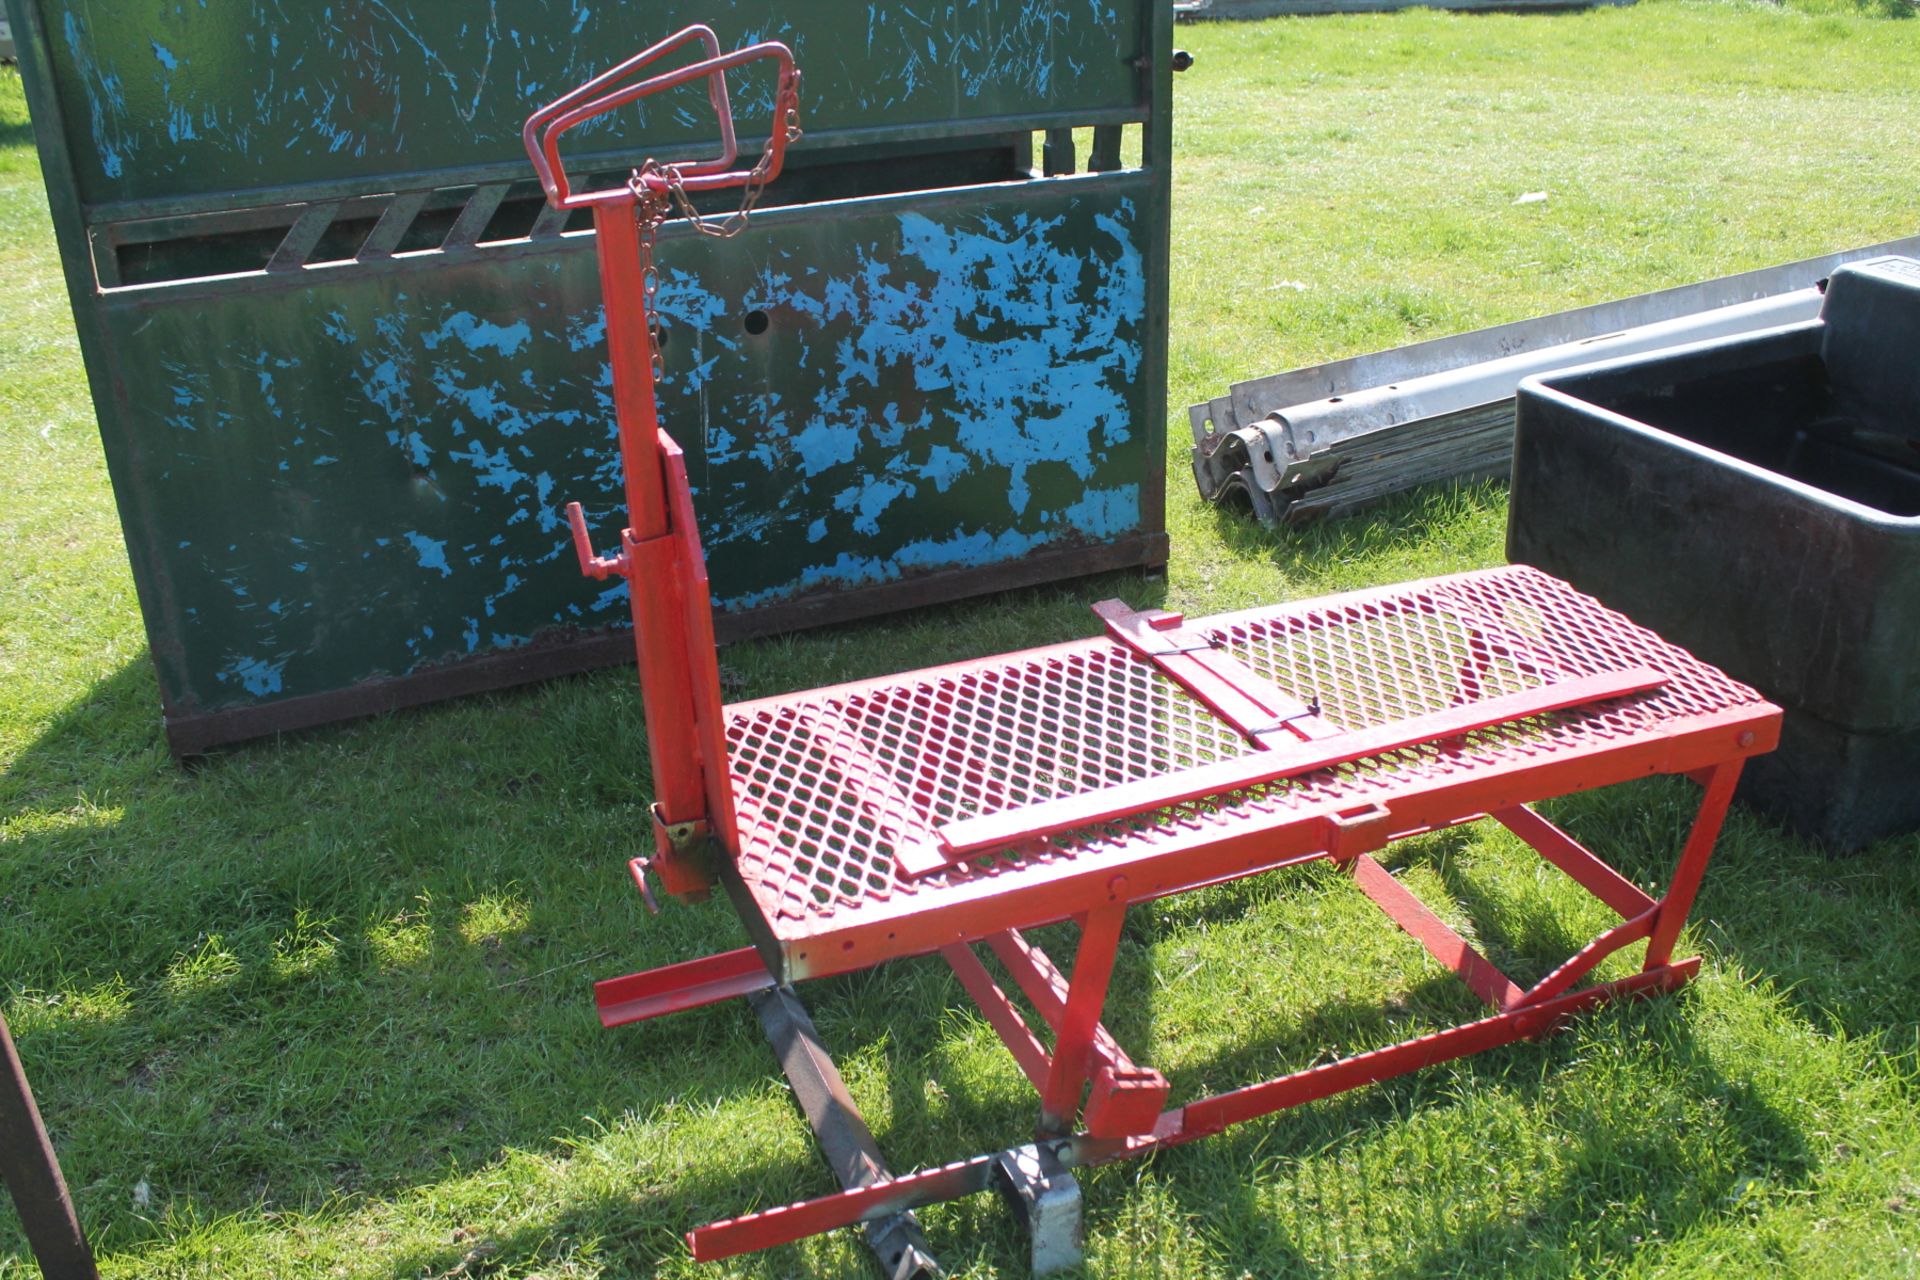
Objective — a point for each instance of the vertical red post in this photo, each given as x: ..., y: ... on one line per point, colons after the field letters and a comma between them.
x: 630, y: 349
x: 1086, y: 997
x: 660, y: 639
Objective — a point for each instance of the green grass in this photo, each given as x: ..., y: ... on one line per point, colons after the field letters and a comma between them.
x: 320, y: 1007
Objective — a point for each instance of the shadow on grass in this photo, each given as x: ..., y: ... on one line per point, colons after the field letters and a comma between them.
x: 1619, y: 1129
x: 1314, y: 550
x: 356, y: 963
x: 342, y: 966
x: 1385, y: 1175
x: 1838, y: 937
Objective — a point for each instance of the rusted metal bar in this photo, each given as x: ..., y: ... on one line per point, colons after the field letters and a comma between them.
x: 303, y: 236
x: 394, y: 223
x: 32, y: 1174
x: 843, y: 1135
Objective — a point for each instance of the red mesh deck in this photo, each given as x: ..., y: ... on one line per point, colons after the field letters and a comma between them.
x: 830, y: 783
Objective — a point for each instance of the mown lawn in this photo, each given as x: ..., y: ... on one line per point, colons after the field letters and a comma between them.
x: 320, y: 1007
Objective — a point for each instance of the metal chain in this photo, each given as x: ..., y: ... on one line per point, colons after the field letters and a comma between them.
x: 650, y: 209
x: 652, y: 206
x: 787, y: 116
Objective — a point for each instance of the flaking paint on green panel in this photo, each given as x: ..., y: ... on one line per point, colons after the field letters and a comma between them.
x: 167, y: 98
x: 362, y: 474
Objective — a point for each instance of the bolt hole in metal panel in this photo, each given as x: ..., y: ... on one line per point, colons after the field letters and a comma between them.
x: 347, y: 365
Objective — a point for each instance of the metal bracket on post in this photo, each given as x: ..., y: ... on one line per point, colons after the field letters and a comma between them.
x: 1047, y: 1197
x: 683, y: 857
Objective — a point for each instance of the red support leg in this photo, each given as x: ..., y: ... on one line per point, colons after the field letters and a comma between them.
x: 1092, y: 970
x: 1583, y: 961
x: 1197, y: 1119
x: 1210, y: 1115
x: 1126, y: 1099
x: 1678, y: 900
x: 1572, y: 857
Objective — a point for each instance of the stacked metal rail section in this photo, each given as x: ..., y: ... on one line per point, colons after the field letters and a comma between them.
x: 1334, y: 438
x: 960, y: 807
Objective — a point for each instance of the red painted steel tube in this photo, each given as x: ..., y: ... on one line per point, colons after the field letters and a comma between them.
x: 1052, y: 817
x: 695, y: 177
x: 1086, y: 996
x: 1211, y: 1115
x: 1693, y: 862
x: 1125, y: 1097
x: 1043, y: 983
x: 1430, y: 931
x: 546, y: 165
x: 666, y: 680
x: 630, y: 354
x: 1195, y: 1120
x: 1000, y: 1014
x: 1251, y: 843
x: 703, y: 659
x: 1583, y: 961
x: 1574, y: 858
x: 791, y: 1222
x: 543, y: 130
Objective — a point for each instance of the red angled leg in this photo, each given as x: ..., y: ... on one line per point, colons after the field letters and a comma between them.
x: 1678, y: 900
x: 1431, y: 932
x: 1125, y: 1099
x: 1086, y: 997
x: 999, y: 1012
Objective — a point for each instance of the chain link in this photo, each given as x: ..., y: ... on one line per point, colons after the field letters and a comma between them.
x: 653, y: 205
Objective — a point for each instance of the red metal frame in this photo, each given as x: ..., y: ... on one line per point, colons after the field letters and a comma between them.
x: 936, y: 810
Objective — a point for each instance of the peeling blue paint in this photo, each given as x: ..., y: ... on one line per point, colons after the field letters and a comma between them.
x: 257, y: 676
x: 431, y: 551
x: 964, y: 370
x: 1103, y: 514
x: 480, y: 335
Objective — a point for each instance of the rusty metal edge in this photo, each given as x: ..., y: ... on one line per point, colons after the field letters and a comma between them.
x: 197, y: 734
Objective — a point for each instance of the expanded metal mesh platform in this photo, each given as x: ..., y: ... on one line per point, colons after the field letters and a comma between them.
x: 834, y: 786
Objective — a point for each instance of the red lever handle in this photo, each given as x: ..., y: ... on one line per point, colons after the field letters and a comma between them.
x: 594, y: 566
x: 600, y: 95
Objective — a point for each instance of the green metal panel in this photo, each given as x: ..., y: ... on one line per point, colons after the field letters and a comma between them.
x: 341, y: 428
x: 188, y: 97
x: 938, y: 384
